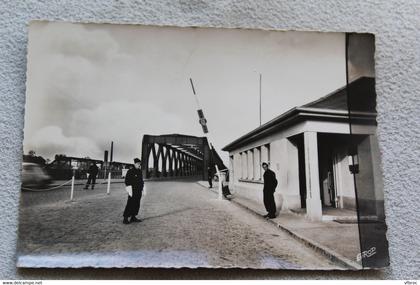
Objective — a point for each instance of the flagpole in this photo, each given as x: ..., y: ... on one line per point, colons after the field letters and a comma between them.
x: 260, y: 96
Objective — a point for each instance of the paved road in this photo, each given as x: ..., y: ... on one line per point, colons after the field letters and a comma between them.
x: 184, y: 225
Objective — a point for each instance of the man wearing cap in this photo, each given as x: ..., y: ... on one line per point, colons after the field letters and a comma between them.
x: 133, y: 178
x: 270, y: 184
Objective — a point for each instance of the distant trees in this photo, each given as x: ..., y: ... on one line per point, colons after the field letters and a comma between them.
x: 59, y: 156
x: 33, y: 158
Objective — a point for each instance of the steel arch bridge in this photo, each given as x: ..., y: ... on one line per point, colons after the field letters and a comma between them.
x: 175, y: 155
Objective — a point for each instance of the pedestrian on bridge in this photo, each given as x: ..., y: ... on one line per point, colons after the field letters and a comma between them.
x: 133, y: 178
x: 93, y: 171
x: 210, y: 176
x: 270, y: 184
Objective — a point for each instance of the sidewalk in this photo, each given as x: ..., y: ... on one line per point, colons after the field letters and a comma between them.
x: 338, y: 241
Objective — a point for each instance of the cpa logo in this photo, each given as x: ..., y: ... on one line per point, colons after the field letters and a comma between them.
x: 366, y: 253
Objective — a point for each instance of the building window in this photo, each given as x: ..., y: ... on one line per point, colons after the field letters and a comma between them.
x: 244, y: 160
x: 241, y: 174
x: 257, y: 163
x: 250, y: 164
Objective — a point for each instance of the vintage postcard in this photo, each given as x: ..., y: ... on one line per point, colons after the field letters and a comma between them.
x: 179, y: 147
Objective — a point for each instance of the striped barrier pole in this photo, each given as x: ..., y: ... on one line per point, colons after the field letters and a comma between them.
x: 219, y: 182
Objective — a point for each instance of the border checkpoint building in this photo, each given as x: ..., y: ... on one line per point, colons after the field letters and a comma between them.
x: 308, y: 149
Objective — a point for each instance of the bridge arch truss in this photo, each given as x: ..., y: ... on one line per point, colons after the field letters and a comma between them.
x: 175, y: 155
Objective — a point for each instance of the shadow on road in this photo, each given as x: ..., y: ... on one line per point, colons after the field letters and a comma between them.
x: 168, y: 213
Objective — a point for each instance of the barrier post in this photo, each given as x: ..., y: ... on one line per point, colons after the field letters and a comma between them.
x: 72, y: 187
x: 109, y: 183
x: 219, y: 182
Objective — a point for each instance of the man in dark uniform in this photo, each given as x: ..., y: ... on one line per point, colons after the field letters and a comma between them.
x: 210, y: 176
x: 93, y: 171
x: 133, y: 178
x: 270, y: 184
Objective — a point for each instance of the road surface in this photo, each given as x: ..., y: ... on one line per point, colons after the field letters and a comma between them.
x: 184, y: 225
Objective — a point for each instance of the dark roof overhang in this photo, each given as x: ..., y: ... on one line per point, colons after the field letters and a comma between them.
x: 300, y: 114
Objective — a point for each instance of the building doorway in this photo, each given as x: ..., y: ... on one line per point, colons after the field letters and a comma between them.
x: 326, y: 154
x: 298, y: 141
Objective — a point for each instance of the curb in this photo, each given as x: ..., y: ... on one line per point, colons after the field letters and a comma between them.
x: 330, y: 254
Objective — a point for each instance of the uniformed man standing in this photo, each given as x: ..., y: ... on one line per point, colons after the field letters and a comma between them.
x: 133, y: 178
x: 210, y: 176
x: 93, y: 171
x: 270, y: 184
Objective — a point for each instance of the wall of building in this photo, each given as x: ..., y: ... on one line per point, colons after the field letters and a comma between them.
x: 369, y: 196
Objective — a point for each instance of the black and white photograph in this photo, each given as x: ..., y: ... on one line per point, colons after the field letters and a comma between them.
x: 173, y: 147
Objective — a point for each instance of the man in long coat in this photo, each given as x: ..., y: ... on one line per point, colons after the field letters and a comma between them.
x: 210, y: 176
x: 93, y: 171
x: 270, y: 184
x: 133, y: 178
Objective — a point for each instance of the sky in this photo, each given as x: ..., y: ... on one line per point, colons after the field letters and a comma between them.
x: 90, y: 84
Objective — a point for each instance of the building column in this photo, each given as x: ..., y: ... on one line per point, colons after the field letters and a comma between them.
x: 313, y: 194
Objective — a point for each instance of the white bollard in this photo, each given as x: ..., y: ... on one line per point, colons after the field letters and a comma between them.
x: 109, y: 183
x: 219, y: 182
x: 72, y: 188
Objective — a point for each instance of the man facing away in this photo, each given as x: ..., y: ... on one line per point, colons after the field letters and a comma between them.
x: 210, y: 176
x: 133, y: 178
x: 93, y: 171
x: 270, y: 184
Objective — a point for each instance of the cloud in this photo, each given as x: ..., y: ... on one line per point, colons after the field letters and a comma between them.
x: 65, y: 60
x: 51, y: 140
x: 125, y: 123
x: 77, y: 40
